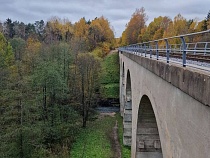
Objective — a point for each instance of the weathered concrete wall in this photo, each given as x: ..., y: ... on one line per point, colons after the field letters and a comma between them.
x: 127, y: 123
x: 179, y: 97
x: 191, y: 81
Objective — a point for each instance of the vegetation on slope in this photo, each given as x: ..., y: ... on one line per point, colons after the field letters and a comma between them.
x: 48, y: 83
x: 110, y: 76
x: 95, y: 141
x: 125, y: 150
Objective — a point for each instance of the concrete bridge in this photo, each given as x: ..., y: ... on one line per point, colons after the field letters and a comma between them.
x: 165, y: 107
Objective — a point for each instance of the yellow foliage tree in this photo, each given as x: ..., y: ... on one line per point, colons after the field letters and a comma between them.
x: 32, y: 51
x: 134, y: 27
x: 100, y: 31
x: 58, y: 30
x: 178, y: 26
x: 81, y: 29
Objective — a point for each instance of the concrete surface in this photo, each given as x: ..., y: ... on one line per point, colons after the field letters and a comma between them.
x: 180, y: 98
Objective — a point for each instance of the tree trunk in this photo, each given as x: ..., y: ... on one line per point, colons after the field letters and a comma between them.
x: 45, y: 102
x: 21, y: 125
x: 83, y: 102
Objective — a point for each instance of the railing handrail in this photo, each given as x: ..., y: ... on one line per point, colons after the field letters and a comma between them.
x: 183, y: 47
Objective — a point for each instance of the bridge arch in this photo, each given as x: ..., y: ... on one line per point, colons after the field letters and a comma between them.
x: 148, y: 142
x: 127, y: 113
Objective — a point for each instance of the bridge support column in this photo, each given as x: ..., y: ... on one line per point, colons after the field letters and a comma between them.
x: 122, y: 100
x: 127, y: 123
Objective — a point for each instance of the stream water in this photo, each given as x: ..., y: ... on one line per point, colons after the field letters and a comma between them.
x: 108, y: 109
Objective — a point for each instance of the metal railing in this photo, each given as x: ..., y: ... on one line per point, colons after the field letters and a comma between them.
x: 154, y: 47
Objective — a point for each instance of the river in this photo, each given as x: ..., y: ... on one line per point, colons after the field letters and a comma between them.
x: 108, y: 109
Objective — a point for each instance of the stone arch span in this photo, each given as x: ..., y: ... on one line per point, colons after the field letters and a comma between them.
x: 148, y: 144
x: 127, y: 114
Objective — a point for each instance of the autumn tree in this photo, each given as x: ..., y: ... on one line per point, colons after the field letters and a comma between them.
x: 144, y: 35
x: 57, y: 29
x: 80, y: 40
x: 81, y: 29
x: 45, y: 73
x: 177, y: 27
x: 6, y: 65
x: 134, y: 26
x: 157, y: 27
x: 10, y: 102
x: 6, y: 54
x: 100, y: 33
x: 31, y: 53
x: 88, y: 71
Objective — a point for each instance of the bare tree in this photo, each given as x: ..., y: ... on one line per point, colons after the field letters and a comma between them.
x: 88, y: 70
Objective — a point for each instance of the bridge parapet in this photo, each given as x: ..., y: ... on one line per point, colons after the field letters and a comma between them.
x: 191, y: 81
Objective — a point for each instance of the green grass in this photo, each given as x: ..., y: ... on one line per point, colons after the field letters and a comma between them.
x: 110, y: 76
x: 125, y: 150
x: 94, y: 141
x: 110, y: 90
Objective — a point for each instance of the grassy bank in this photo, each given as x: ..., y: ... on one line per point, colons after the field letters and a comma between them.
x: 110, y: 76
x: 125, y: 151
x: 95, y: 142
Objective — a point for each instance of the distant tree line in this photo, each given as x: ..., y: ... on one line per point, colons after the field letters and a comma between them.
x: 97, y: 32
x: 49, y: 80
x: 161, y: 27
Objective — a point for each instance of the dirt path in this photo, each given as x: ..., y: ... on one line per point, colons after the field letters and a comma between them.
x: 113, y: 136
x: 112, y: 51
x: 116, y: 144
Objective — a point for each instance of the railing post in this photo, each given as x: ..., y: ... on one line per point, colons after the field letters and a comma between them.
x: 136, y: 49
x: 195, y: 48
x: 167, y: 50
x: 157, y: 52
x: 150, y: 50
x: 141, y: 49
x: 206, y: 44
x: 175, y: 48
x: 183, y: 51
x: 133, y: 49
x: 145, y: 50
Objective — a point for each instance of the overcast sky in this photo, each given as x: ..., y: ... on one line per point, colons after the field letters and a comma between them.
x: 118, y: 12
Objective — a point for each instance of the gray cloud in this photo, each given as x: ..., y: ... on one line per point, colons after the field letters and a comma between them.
x: 118, y: 12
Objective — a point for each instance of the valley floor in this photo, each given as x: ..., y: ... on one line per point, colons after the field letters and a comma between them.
x: 101, y: 139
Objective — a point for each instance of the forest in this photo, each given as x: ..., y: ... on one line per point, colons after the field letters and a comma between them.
x: 52, y: 73
x: 49, y: 81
